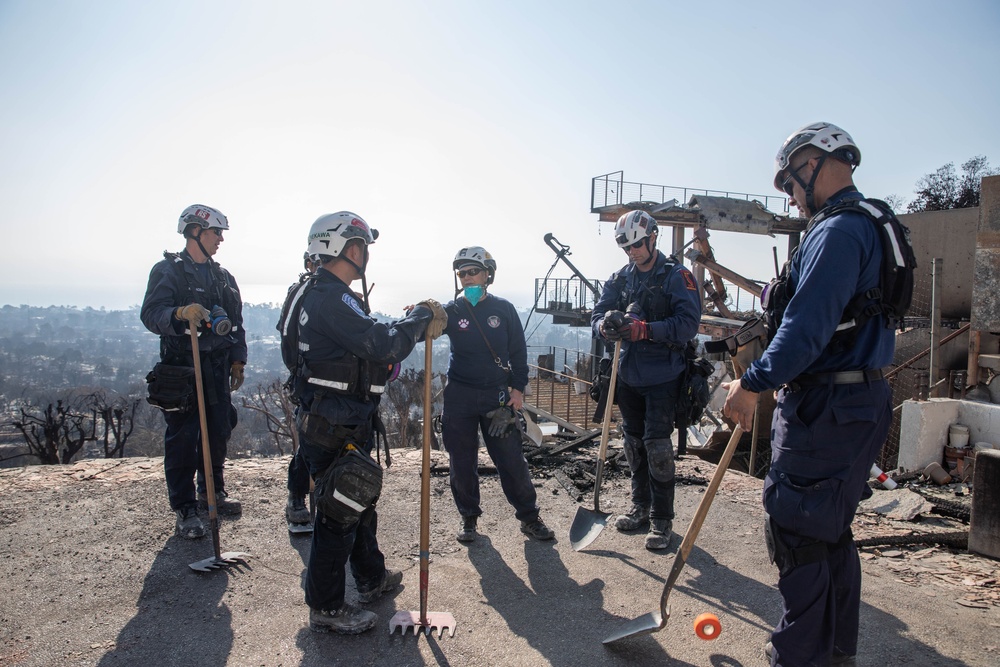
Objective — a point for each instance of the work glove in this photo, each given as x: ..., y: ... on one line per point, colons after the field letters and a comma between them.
x: 236, y: 375
x: 637, y: 330
x: 502, y: 421
x: 611, y: 325
x: 193, y: 312
x: 436, y: 326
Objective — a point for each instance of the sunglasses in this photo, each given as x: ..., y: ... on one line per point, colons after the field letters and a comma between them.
x: 633, y: 246
x: 215, y: 230
x: 787, y: 185
x: 469, y: 272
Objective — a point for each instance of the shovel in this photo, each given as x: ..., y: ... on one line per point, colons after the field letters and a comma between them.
x: 655, y: 621
x: 588, y: 524
x: 428, y: 620
x: 219, y: 560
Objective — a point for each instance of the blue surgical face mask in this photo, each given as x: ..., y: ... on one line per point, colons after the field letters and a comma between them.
x: 474, y: 293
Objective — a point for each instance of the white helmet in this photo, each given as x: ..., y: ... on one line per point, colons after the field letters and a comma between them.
x: 205, y: 216
x: 634, y: 226
x: 824, y: 136
x: 478, y: 256
x: 331, y: 232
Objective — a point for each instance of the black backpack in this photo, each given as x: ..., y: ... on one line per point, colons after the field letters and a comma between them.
x: 891, y: 298
x: 288, y: 324
x: 694, y: 393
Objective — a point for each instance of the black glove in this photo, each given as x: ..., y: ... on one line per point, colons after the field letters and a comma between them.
x: 502, y: 421
x: 614, y: 325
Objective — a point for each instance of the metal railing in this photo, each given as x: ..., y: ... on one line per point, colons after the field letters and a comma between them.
x: 566, y: 294
x: 613, y: 190
x: 560, y: 383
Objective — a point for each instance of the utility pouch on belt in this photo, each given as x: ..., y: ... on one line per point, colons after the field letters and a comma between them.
x: 787, y: 559
x: 319, y: 431
x: 171, y: 388
x: 349, y: 486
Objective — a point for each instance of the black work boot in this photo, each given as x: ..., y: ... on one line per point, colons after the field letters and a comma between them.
x: 223, y: 504
x: 468, y: 530
x: 390, y: 582
x: 295, y: 509
x: 634, y: 519
x: 189, y: 526
x: 348, y: 620
x: 659, y: 534
x: 537, y: 529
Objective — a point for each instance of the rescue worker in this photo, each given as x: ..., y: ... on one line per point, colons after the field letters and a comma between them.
x: 344, y: 351
x: 190, y: 290
x: 834, y: 407
x: 297, y: 515
x: 487, y: 374
x: 653, y: 306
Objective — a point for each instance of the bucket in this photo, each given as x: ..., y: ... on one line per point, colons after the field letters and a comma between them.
x: 958, y: 436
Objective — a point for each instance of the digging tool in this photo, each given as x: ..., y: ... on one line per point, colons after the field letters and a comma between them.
x: 428, y: 620
x: 655, y: 621
x: 588, y: 524
x: 219, y: 560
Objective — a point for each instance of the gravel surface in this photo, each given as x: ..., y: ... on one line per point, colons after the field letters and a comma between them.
x: 95, y: 576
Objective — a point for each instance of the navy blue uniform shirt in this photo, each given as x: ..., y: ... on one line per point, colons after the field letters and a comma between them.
x: 470, y: 361
x: 332, y: 324
x: 651, y: 362
x: 170, y: 286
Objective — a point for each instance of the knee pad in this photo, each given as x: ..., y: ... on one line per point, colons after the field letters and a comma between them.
x: 632, y: 446
x: 661, y: 459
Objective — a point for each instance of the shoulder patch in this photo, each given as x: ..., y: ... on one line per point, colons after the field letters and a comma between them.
x: 353, y: 303
x: 689, y: 280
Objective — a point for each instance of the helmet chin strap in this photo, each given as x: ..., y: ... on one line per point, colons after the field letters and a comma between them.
x: 361, y: 272
x: 809, y: 187
x: 197, y: 239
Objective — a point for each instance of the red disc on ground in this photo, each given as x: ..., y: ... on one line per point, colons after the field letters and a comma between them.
x: 707, y: 626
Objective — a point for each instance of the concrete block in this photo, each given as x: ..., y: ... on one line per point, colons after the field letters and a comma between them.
x: 984, y: 527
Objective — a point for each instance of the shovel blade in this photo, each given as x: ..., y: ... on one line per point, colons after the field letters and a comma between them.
x: 225, y: 560
x: 644, y: 625
x: 435, y: 620
x: 587, y: 525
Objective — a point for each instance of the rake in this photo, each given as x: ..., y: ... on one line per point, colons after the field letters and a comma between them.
x: 428, y: 620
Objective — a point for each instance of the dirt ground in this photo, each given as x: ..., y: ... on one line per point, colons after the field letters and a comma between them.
x: 95, y: 576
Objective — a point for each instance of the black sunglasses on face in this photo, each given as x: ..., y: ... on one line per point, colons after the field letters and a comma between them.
x: 474, y: 271
x: 787, y: 184
x: 634, y: 246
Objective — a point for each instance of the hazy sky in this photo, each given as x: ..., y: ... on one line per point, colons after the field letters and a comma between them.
x: 444, y: 124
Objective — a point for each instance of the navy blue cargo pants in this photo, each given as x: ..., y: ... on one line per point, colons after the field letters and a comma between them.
x: 824, y: 441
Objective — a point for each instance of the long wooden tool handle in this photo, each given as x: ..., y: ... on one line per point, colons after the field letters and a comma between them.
x: 609, y: 407
x: 206, y: 453
x: 425, y: 484
x: 699, y: 517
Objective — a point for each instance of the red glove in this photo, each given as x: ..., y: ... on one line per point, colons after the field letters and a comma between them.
x: 637, y: 330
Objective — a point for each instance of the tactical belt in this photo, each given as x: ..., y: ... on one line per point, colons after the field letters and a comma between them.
x: 842, y: 377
